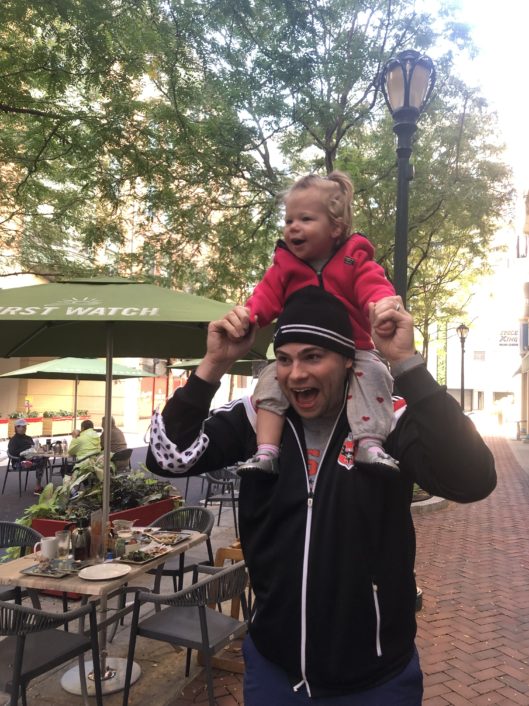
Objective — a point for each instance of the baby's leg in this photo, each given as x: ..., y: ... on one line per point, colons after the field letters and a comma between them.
x: 269, y: 430
x: 370, y: 408
x: 271, y: 405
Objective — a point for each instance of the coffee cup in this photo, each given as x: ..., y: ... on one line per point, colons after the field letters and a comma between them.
x: 46, y: 548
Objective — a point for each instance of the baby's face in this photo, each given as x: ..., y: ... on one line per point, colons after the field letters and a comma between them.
x: 308, y: 232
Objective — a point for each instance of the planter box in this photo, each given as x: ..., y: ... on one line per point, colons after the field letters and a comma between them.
x: 58, y: 426
x: 144, y: 515
x: 34, y: 426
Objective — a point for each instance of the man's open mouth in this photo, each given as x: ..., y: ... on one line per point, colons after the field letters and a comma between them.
x: 305, y: 395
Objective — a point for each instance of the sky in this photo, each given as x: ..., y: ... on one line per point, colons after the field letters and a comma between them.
x: 501, y: 32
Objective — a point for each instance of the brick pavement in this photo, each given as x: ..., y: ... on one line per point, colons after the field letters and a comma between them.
x: 472, y: 564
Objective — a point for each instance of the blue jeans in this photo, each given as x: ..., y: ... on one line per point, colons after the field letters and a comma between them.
x: 265, y: 684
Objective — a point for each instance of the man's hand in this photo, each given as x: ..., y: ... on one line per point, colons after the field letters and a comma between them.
x: 392, y: 329
x: 229, y: 339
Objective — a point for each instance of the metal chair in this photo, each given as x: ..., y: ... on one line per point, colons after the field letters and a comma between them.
x: 33, y: 645
x: 188, y: 621
x: 123, y: 459
x: 14, y: 535
x: 189, y: 517
x: 198, y: 519
x: 223, y: 487
x: 14, y: 465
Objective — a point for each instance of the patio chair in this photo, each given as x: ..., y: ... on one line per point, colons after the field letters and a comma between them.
x: 223, y: 487
x: 34, y: 645
x: 198, y: 519
x: 188, y: 621
x: 14, y: 535
x: 18, y: 465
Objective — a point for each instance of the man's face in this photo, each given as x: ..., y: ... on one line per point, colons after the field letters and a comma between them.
x: 20, y: 430
x: 312, y: 378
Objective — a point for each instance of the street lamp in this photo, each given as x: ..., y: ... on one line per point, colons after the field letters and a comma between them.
x: 462, y: 332
x: 406, y: 82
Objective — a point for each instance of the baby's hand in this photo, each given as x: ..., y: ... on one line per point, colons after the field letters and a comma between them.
x: 237, y: 323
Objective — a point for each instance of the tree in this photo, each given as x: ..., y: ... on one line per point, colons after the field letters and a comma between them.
x: 155, y: 138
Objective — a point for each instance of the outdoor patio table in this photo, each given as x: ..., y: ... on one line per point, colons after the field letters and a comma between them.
x: 10, y: 573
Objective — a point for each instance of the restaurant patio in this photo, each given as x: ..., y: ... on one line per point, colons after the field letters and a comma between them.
x: 162, y: 681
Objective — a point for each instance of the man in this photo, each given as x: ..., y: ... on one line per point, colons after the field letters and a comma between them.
x: 22, y: 442
x: 84, y: 443
x: 117, y: 443
x: 329, y: 543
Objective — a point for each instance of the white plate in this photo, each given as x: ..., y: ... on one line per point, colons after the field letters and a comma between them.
x: 100, y: 572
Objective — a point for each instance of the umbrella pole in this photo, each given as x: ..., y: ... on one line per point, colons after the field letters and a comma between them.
x: 107, y: 427
x: 106, y: 673
x: 76, y: 388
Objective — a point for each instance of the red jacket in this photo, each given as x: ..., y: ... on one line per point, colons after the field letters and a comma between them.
x: 351, y: 275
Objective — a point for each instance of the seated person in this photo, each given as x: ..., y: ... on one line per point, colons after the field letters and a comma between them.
x: 22, y: 442
x: 84, y: 443
x: 117, y: 443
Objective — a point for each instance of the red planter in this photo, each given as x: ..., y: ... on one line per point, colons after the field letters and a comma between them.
x: 143, y: 514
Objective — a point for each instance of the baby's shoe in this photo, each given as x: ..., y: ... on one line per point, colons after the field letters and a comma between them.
x: 263, y: 464
x: 375, y: 455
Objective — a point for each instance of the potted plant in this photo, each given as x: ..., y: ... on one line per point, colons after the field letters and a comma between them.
x: 132, y: 496
x: 57, y: 422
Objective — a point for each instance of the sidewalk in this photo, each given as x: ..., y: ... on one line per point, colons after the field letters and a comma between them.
x: 472, y: 564
x: 473, y: 630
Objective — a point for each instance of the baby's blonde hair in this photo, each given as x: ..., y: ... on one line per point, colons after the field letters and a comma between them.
x: 337, y: 196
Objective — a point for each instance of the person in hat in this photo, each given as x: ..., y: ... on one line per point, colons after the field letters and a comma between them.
x: 22, y: 442
x: 117, y: 443
x: 329, y: 545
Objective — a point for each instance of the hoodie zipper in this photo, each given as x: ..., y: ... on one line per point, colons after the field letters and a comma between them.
x: 377, y: 612
x: 308, y: 525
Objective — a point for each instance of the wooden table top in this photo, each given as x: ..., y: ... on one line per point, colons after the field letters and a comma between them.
x: 10, y: 572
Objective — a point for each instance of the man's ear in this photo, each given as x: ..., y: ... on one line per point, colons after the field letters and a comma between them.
x: 349, y: 363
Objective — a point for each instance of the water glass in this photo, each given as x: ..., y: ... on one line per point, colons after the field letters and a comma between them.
x: 63, y: 546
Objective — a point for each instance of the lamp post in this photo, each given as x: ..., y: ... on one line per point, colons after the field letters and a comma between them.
x: 406, y: 82
x: 462, y: 332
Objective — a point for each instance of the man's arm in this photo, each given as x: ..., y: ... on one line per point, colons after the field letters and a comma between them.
x: 188, y: 441
x: 228, y: 340
x: 74, y: 446
x: 434, y: 441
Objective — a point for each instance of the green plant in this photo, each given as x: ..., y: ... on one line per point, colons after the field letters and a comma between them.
x: 49, y: 413
x: 32, y: 414
x: 15, y: 415
x: 82, y: 413
x: 81, y: 494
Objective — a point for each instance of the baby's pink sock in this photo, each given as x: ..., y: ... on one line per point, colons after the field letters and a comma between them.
x: 267, y: 451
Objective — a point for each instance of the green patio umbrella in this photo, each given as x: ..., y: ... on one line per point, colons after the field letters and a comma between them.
x: 245, y: 366
x: 108, y: 317
x: 75, y: 369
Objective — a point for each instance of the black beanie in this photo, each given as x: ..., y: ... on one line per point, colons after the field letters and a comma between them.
x: 312, y: 315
